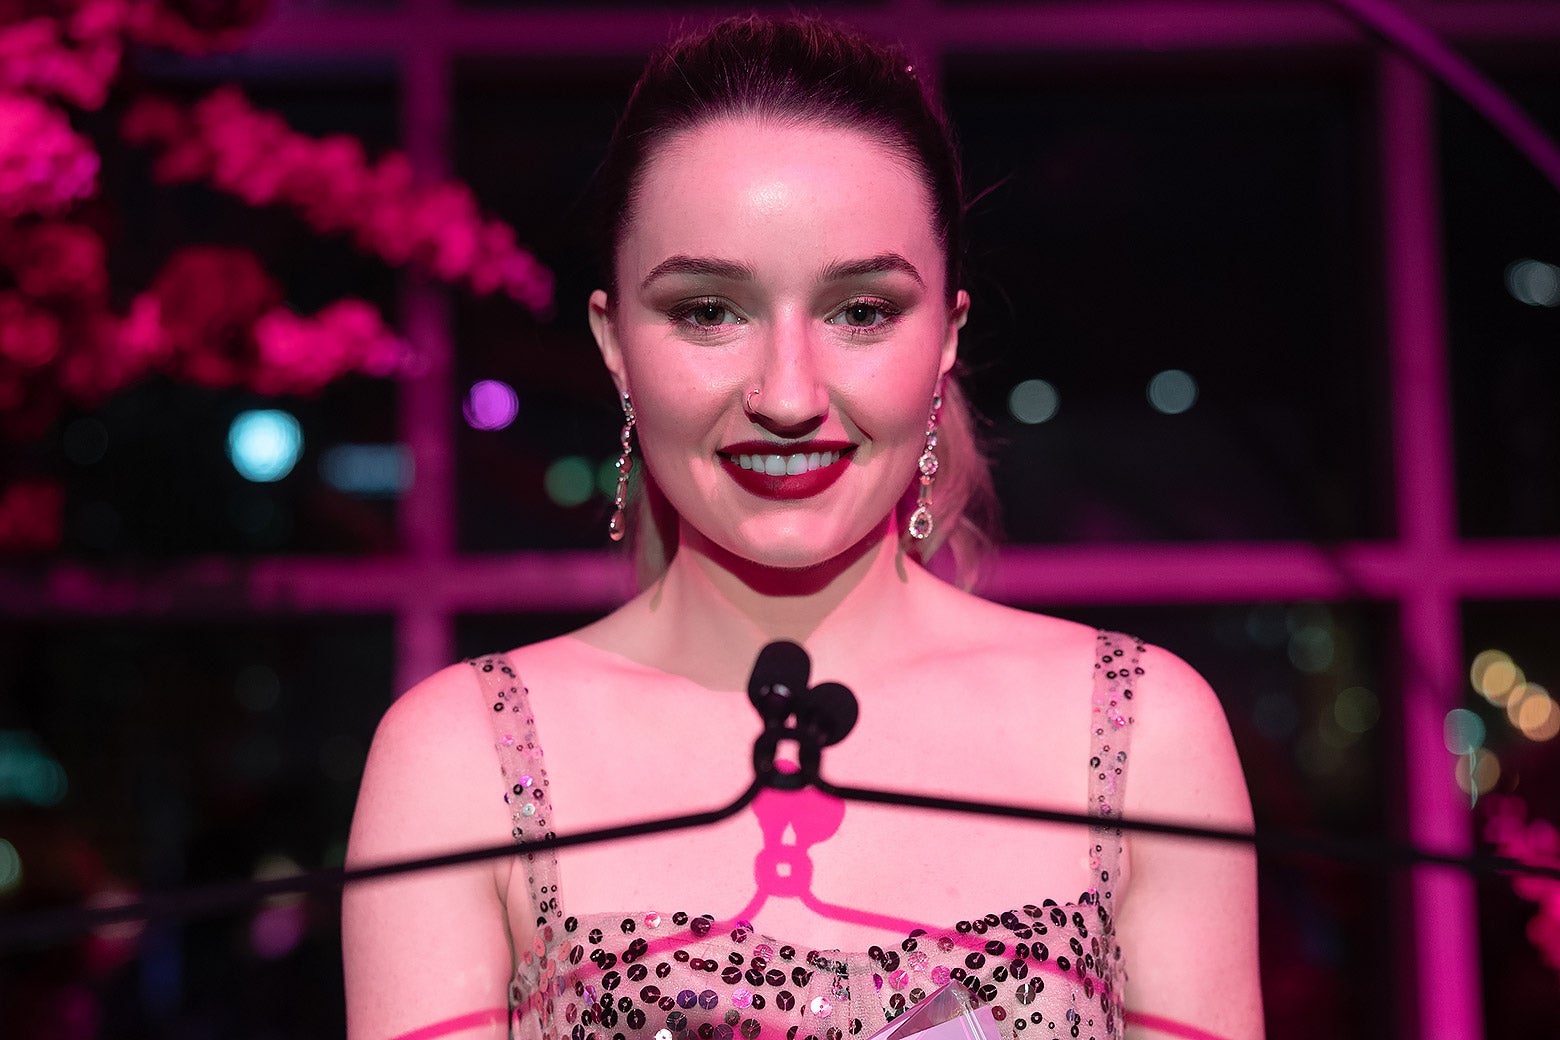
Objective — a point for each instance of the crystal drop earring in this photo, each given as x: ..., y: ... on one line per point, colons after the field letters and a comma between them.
x: 921, y: 522
x: 618, y: 525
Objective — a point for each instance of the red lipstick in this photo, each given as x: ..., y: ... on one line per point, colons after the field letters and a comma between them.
x: 785, y: 486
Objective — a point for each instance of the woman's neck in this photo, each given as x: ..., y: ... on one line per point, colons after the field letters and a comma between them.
x: 709, y: 615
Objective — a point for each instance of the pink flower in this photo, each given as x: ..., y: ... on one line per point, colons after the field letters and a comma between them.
x: 209, y: 298
x: 194, y: 28
x: 154, y: 120
x: 57, y: 260
x: 29, y: 335
x: 301, y: 355
x: 35, y: 57
x: 254, y: 155
x: 97, y: 20
x: 45, y: 166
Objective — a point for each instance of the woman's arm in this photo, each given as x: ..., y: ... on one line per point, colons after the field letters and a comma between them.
x: 428, y: 952
x: 1188, y: 922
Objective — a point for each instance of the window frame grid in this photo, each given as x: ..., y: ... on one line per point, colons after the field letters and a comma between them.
x: 1426, y: 570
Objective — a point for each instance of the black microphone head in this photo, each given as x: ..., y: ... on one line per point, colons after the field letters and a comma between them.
x: 832, y: 713
x: 779, y: 674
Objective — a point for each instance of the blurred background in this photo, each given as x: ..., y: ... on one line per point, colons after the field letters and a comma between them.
x: 1266, y: 330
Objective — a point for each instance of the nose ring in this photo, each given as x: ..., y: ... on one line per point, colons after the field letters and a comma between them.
x: 747, y: 402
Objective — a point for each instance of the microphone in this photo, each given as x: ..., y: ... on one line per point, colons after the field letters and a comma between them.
x: 815, y: 717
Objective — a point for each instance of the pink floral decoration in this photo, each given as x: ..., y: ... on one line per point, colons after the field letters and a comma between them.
x: 212, y: 315
x: 1536, y: 842
x: 45, y: 166
x: 298, y: 355
x: 330, y: 182
x: 29, y: 335
x: 58, y: 261
x: 75, y: 60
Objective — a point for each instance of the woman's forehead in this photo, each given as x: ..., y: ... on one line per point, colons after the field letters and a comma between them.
x: 763, y: 188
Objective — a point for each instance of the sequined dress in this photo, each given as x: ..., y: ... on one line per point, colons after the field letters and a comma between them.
x: 1047, y: 969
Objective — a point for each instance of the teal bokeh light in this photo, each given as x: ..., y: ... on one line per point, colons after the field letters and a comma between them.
x: 264, y: 444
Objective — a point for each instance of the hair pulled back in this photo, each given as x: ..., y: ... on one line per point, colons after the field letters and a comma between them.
x: 804, y: 70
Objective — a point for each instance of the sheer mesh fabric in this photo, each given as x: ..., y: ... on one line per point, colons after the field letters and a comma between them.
x: 1046, y: 969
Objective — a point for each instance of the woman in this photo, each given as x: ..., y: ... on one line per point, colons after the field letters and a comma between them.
x: 781, y: 319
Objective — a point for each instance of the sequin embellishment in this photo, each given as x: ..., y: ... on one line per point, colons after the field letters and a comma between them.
x: 1050, y: 970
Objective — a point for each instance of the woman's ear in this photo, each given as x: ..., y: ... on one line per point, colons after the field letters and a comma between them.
x: 957, y: 316
x: 602, y: 327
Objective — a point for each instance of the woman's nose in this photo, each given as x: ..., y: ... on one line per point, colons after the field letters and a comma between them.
x: 792, y: 398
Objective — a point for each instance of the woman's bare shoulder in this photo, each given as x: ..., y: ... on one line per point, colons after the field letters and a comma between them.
x: 1185, y: 764
x: 422, y: 761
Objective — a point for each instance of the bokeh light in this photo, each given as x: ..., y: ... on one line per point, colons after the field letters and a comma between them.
x: 1534, y: 283
x: 1172, y: 391
x: 10, y: 866
x: 1356, y: 710
x: 370, y: 470
x: 1478, y: 772
x: 569, y: 481
x: 1495, y: 675
x: 1538, y: 717
x: 1491, y: 669
x: 1520, y: 695
x: 1033, y: 401
x: 1311, y: 649
x: 491, y: 404
x: 264, y: 444
x: 28, y: 773
x: 1463, y: 731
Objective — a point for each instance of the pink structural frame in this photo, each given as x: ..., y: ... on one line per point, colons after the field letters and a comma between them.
x: 1426, y: 570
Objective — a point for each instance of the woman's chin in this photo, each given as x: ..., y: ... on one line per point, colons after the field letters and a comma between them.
x: 790, y: 550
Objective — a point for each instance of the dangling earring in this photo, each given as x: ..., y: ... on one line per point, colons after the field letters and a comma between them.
x: 618, y: 525
x: 921, y: 522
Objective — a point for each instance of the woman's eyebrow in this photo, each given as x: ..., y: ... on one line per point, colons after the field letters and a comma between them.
x: 883, y: 263
x: 680, y: 264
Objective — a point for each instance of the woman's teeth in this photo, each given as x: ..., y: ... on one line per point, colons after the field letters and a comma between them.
x: 788, y: 465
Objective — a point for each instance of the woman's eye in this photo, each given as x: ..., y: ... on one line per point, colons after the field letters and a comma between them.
x: 864, y: 314
x: 706, y: 314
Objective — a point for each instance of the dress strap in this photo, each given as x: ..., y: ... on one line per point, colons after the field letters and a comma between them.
x: 1118, y: 670
x: 508, y: 707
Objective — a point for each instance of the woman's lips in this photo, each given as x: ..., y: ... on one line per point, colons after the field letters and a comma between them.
x: 785, y: 474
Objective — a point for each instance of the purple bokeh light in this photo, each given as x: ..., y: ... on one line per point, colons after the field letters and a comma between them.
x: 491, y: 404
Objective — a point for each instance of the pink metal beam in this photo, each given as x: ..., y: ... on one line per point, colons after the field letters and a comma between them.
x: 1079, y: 26
x: 424, y: 630
x: 1446, y: 950
x: 598, y: 581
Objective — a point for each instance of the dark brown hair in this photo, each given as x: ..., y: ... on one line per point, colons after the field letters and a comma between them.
x: 810, y: 71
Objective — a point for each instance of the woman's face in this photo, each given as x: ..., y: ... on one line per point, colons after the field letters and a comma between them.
x: 800, y: 262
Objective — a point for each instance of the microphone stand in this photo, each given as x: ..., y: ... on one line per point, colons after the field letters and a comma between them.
x: 811, y: 717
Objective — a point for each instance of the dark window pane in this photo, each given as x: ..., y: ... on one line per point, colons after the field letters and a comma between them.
x: 188, y: 754
x: 528, y: 137
x: 1519, y: 974
x: 477, y: 634
x: 1306, y: 690
x: 1134, y: 224
x: 1503, y: 279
